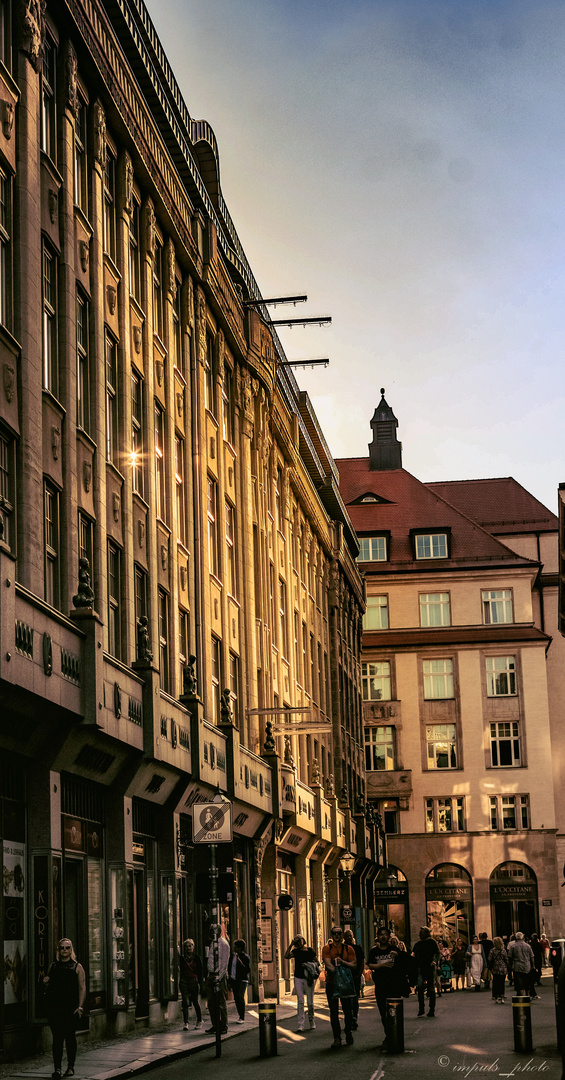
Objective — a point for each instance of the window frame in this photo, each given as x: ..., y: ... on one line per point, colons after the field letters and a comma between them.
x: 427, y: 605
x: 447, y: 675
x: 433, y: 807
x: 114, y: 599
x: 514, y: 739
x: 109, y: 215
x: 137, y: 439
x: 52, y: 545
x: 6, y: 269
x: 164, y: 650
x: 372, y: 744
x: 419, y: 536
x: 497, y: 596
x: 8, y: 488
x: 158, y: 291
x: 215, y: 677
x: 82, y: 318
x: 494, y: 677
x: 160, y: 462
x: 134, y: 251
x: 369, y: 548
x: 111, y: 373
x: 379, y: 610
x: 452, y: 750
x: 49, y: 304
x: 229, y: 533
x: 80, y: 157
x: 180, y: 502
x: 367, y: 676
x: 521, y: 808
x: 48, y: 136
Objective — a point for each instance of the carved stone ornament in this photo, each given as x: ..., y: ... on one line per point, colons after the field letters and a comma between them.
x: 171, y: 275
x: 86, y: 475
x: 117, y: 700
x: 47, y: 654
x: 100, y: 148
x: 225, y: 707
x: 8, y: 114
x: 84, y: 252
x: 141, y: 532
x: 220, y: 349
x: 180, y: 404
x: 33, y: 31
x: 159, y: 371
x: 9, y: 381
x: 53, y: 201
x: 279, y: 830
x: 190, y: 297
x: 143, y: 650
x: 137, y: 337
x: 269, y: 746
x: 84, y: 597
x: 164, y: 554
x: 201, y: 326
x: 116, y: 505
x: 182, y: 573
x: 314, y: 773
x: 71, y: 66
x: 189, y: 687
x: 55, y: 442
x: 112, y: 295
x: 128, y: 184
x: 150, y: 229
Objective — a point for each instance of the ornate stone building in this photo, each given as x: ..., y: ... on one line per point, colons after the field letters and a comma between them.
x: 180, y: 602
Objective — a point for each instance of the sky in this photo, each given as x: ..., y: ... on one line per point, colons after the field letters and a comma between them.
x: 401, y: 162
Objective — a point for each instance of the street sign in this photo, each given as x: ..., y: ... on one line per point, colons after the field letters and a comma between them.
x: 211, y: 823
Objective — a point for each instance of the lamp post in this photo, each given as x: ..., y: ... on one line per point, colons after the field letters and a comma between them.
x: 347, y: 863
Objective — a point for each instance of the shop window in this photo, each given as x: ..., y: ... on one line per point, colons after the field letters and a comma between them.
x: 441, y: 742
x: 372, y: 549
x: 380, y: 753
x: 497, y: 606
x: 501, y: 676
x: 376, y: 680
x: 438, y: 679
x: 376, y: 615
x: 434, y: 609
x: 505, y: 744
x: 509, y: 812
x: 445, y: 815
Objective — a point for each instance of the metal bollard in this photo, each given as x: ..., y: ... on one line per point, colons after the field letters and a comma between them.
x: 395, y: 1025
x: 522, y: 1020
x: 268, y: 1030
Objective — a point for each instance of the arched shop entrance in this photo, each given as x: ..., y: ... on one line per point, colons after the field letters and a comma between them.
x: 391, y: 902
x: 514, y: 899
x: 449, y: 902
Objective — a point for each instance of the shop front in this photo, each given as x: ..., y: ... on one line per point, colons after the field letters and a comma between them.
x: 449, y: 903
x: 514, y: 899
x: 13, y: 935
x: 391, y: 902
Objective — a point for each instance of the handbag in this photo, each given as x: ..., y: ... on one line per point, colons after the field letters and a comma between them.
x: 311, y: 971
x: 343, y: 985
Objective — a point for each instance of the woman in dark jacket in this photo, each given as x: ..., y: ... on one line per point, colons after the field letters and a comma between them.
x: 65, y: 990
x: 458, y: 963
x: 238, y: 972
x: 190, y: 982
x: 498, y: 964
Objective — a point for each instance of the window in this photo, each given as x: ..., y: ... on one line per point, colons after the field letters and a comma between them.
x: 50, y: 380
x: 163, y: 606
x: 442, y: 746
x: 508, y: 812
x: 230, y: 549
x: 176, y: 341
x: 111, y: 400
x: 501, y: 676
x: 158, y: 290
x: 51, y: 561
x: 5, y: 33
x: 7, y: 491
x: 48, y: 125
x: 434, y: 609
x: 376, y: 680
x: 391, y: 817
x: 5, y: 251
x: 208, y: 375
x: 85, y: 539
x: 109, y: 223
x: 212, y: 527
x: 380, y: 749
x: 497, y: 606
x: 83, y: 373
x: 227, y: 404
x: 296, y: 627
x: 505, y: 744
x: 372, y: 549
x: 137, y: 433
x: 114, y: 593
x: 283, y: 640
x: 376, y: 615
x: 160, y: 462
x: 140, y: 595
x: 431, y: 546
x: 234, y: 686
x: 216, y: 669
x: 134, y: 254
x: 81, y: 173
x: 445, y: 815
x: 179, y: 489
x: 183, y: 646
x: 438, y: 679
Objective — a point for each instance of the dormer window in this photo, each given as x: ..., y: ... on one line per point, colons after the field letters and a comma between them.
x: 373, y: 549
x: 431, y: 545
x: 369, y: 499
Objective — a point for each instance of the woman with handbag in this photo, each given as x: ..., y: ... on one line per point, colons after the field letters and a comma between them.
x: 65, y: 991
x: 306, y: 970
x: 238, y: 981
x: 340, y: 962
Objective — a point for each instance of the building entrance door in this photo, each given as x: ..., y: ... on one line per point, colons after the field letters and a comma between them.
x: 139, y: 931
x: 514, y: 899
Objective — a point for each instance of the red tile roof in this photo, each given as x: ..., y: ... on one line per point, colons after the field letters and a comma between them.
x: 500, y: 505
x: 413, y: 505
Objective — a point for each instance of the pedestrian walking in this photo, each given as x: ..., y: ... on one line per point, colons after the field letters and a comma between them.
x: 190, y: 982
x: 497, y: 961
x: 334, y: 955
x: 238, y: 981
x: 458, y: 963
x: 382, y: 959
x: 545, y: 944
x: 487, y: 945
x: 358, y: 972
x: 65, y: 992
x: 521, y: 959
x: 476, y: 961
x: 217, y: 981
x: 535, y: 973
x: 306, y: 970
x: 426, y: 954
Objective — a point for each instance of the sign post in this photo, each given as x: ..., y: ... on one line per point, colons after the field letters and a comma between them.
x: 212, y: 825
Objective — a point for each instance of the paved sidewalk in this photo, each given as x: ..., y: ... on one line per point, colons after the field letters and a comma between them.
x: 130, y: 1054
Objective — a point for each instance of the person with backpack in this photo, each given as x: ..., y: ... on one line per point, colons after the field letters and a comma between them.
x: 65, y: 992
x: 306, y: 971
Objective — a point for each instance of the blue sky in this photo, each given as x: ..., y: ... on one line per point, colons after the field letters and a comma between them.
x: 403, y: 163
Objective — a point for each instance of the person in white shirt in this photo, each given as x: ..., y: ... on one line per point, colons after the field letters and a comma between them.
x: 217, y: 990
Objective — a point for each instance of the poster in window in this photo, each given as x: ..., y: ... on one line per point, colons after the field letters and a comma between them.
x: 15, y: 960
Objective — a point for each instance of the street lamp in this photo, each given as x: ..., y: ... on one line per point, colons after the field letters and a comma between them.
x: 347, y: 863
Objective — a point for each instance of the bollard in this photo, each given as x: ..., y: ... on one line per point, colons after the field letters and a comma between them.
x: 395, y: 1025
x: 267, y: 1030
x: 522, y: 1020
